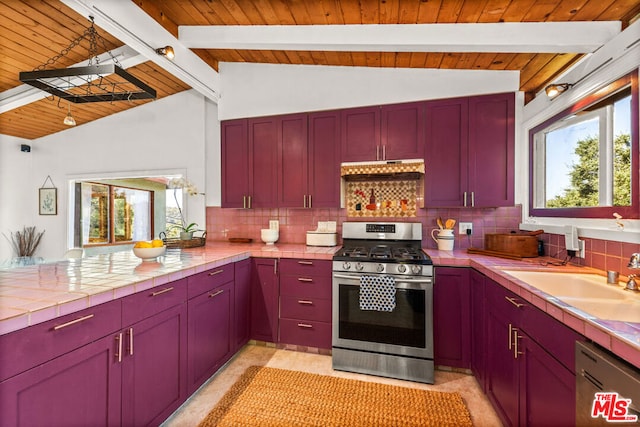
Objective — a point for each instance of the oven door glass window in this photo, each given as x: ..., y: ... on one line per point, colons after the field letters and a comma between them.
x: 404, y: 326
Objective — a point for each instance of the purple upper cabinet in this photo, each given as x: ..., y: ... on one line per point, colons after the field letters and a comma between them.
x: 491, y: 149
x: 446, y: 152
x: 324, y: 159
x: 294, y: 161
x: 469, y: 155
x: 361, y: 134
x: 402, y: 131
x: 235, y: 164
x: 263, y: 162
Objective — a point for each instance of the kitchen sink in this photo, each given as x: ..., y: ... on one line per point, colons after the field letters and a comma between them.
x: 580, y: 285
x: 625, y: 311
x: 588, y: 293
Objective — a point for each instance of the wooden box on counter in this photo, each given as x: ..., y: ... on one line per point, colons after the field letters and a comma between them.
x: 522, y: 245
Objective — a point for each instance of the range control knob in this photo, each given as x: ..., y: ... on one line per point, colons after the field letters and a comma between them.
x: 346, y: 265
x: 359, y: 266
x: 416, y: 269
x: 380, y: 268
x: 402, y: 268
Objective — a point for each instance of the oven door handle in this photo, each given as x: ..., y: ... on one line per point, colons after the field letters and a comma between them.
x: 400, y: 280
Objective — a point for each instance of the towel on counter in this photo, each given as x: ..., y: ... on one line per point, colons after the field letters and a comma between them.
x: 377, y: 293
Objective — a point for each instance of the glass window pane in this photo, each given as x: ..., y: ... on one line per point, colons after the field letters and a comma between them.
x: 131, y: 214
x: 572, y: 165
x: 622, y: 152
x: 95, y: 213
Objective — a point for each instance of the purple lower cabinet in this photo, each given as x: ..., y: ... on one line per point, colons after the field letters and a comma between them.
x: 478, y: 327
x: 80, y: 388
x: 242, y: 304
x: 308, y: 333
x: 210, y: 319
x: 548, y: 389
x: 264, y: 299
x: 451, y: 317
x: 154, y: 367
x: 502, y: 369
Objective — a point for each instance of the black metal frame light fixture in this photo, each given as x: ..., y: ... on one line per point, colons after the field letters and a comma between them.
x: 90, y: 83
x: 166, y: 51
x: 556, y: 89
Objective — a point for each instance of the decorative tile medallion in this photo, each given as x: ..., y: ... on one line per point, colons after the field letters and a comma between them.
x: 366, y: 199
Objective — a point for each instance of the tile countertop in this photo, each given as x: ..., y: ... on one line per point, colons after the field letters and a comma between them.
x: 34, y: 294
x: 37, y: 293
x: 622, y: 338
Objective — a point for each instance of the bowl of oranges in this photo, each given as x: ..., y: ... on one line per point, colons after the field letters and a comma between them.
x: 149, y: 251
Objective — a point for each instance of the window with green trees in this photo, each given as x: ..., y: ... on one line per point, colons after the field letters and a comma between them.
x: 585, y: 160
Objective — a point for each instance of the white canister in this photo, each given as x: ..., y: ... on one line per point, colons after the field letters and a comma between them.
x: 444, y: 239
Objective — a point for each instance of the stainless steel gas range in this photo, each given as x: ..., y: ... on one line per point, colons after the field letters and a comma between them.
x: 383, y: 302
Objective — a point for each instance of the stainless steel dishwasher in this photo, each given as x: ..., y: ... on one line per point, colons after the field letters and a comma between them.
x: 598, y: 371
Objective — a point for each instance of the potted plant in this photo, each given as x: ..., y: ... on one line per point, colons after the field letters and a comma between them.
x: 186, y: 233
x: 185, y: 230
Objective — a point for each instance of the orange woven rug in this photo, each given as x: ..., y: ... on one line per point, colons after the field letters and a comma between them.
x: 277, y: 397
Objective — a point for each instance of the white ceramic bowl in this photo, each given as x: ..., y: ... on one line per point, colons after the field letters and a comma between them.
x: 269, y: 236
x: 149, y: 254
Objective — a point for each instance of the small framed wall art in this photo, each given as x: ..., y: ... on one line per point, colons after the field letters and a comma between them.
x: 48, y: 199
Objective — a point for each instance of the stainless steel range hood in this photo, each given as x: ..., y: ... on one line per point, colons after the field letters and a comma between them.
x: 411, y: 169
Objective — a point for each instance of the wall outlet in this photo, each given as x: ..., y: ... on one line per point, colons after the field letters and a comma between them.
x: 464, y: 226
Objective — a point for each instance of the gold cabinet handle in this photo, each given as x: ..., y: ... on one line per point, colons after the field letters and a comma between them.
x: 309, y: 201
x: 304, y: 201
x: 213, y: 273
x: 473, y: 199
x: 130, y: 333
x: 384, y: 152
x: 516, y: 337
x: 305, y: 325
x: 510, y: 336
x: 244, y: 202
x: 215, y: 294
x: 73, y: 322
x: 377, y: 152
x: 514, y: 302
x: 305, y: 302
x: 305, y: 262
x: 465, y: 199
x: 249, y: 197
x: 163, y: 291
x: 119, y: 347
x: 304, y: 279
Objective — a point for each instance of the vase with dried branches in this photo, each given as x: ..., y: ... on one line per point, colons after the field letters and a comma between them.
x: 25, y: 242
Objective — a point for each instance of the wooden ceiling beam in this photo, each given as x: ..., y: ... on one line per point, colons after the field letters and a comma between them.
x: 529, y: 37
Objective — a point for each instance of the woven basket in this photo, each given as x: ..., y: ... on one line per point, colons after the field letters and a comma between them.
x: 195, y: 242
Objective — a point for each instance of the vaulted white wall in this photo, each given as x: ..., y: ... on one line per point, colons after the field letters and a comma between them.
x: 167, y: 135
x: 252, y: 90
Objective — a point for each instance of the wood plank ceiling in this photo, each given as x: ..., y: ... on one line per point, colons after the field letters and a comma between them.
x: 33, y: 31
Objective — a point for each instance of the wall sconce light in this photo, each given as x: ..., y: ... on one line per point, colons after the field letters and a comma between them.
x: 69, y: 120
x: 556, y: 89
x: 166, y: 51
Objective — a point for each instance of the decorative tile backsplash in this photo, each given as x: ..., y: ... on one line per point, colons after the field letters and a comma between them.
x: 374, y: 199
x: 223, y: 224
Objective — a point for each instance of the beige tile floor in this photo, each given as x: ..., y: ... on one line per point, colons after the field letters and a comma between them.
x: 199, y: 405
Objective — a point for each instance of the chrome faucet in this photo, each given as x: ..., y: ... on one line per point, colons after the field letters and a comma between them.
x: 634, y: 263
